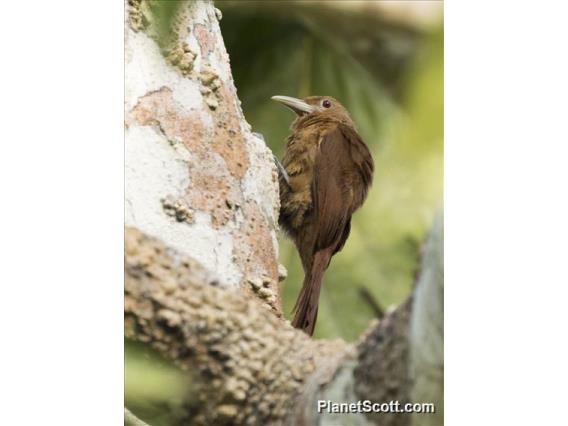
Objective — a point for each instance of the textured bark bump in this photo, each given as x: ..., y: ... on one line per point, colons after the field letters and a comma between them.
x: 137, y: 18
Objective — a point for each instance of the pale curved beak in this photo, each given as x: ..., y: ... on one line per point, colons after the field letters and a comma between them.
x: 295, y: 104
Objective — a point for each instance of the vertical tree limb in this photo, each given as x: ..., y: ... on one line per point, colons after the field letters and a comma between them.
x: 196, y: 176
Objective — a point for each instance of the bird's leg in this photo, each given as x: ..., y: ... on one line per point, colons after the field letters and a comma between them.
x: 281, y: 170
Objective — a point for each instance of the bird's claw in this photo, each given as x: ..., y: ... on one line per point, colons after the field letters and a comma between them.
x: 281, y: 170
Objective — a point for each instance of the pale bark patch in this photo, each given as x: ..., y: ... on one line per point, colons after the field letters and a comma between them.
x: 195, y: 174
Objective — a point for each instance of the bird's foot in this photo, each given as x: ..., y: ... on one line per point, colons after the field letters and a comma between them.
x: 282, y: 173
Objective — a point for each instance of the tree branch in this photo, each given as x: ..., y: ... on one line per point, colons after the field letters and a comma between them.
x: 250, y: 362
x: 251, y: 366
x: 368, y: 297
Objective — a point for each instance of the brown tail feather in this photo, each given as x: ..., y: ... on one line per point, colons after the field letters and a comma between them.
x: 307, y: 304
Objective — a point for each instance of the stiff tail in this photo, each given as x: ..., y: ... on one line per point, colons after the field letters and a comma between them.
x: 307, y: 304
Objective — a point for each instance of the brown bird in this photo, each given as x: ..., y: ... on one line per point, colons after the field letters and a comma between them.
x: 326, y: 172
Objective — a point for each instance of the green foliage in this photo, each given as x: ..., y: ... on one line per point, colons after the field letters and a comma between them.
x: 399, y: 113
x: 153, y: 389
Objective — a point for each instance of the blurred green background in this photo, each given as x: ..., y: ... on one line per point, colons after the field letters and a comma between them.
x: 384, y: 62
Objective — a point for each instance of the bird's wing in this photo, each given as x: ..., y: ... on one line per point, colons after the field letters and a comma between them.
x: 342, y: 174
x: 361, y: 157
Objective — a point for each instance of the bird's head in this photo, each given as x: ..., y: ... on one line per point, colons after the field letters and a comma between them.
x: 316, y: 106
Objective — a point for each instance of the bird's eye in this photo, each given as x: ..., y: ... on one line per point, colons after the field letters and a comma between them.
x: 326, y: 103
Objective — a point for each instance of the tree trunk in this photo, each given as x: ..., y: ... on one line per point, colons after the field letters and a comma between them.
x: 201, y: 269
x: 195, y: 174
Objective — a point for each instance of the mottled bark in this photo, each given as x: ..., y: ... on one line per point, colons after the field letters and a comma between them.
x: 196, y: 176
